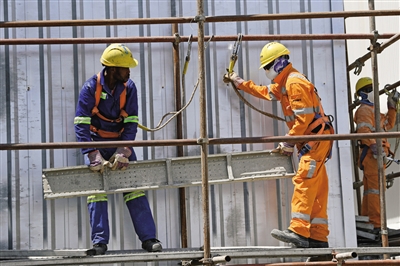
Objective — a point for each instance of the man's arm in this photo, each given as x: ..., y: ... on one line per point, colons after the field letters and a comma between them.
x: 83, y: 114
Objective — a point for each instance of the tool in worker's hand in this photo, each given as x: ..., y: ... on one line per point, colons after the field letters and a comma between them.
x: 187, y: 58
x: 394, y: 160
x: 234, y: 55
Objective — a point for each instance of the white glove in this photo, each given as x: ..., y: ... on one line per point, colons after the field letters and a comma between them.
x: 284, y: 148
x: 392, y: 99
x: 233, y: 77
x: 120, y: 158
x: 97, y: 161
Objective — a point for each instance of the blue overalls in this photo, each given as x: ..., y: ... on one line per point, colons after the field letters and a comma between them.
x: 109, y: 107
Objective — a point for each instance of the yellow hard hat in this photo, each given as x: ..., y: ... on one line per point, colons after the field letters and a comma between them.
x: 272, y: 51
x: 362, y: 82
x: 118, y: 55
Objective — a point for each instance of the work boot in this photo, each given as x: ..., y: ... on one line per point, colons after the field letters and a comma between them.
x: 152, y: 245
x: 291, y: 237
x: 317, y: 244
x: 98, y: 249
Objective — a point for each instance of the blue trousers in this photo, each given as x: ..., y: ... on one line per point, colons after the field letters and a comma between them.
x: 139, y: 211
x: 136, y: 202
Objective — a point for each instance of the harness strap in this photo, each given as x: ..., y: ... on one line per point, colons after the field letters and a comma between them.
x: 309, y: 145
x: 95, y: 111
x: 321, y: 120
x: 362, y: 156
x: 106, y: 134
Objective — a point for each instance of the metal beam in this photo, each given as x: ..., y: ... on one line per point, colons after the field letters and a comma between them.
x: 248, y: 252
x: 167, y: 173
x: 208, y: 19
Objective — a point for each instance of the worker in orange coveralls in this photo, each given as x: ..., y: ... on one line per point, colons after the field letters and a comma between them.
x: 365, y: 121
x: 304, y: 115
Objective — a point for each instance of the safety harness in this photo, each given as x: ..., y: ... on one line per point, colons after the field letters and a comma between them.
x: 95, y: 111
x: 320, y: 123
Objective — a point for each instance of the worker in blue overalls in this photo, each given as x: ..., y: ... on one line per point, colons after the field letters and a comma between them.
x: 107, y: 110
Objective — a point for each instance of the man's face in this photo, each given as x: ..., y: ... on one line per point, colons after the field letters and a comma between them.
x: 122, y: 74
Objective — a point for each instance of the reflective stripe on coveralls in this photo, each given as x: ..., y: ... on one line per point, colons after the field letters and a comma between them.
x: 310, y: 196
x: 82, y: 120
x: 365, y: 121
x: 133, y: 195
x: 97, y: 198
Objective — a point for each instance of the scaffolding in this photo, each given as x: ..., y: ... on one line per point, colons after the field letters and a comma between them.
x: 208, y: 254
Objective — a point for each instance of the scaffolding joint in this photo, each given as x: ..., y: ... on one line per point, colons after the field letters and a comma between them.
x: 199, y: 18
x: 359, y: 65
x: 177, y: 38
x: 375, y: 46
x: 341, y: 257
x: 202, y: 141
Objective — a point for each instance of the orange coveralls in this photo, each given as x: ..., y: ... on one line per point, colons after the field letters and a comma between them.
x: 365, y: 121
x: 300, y: 103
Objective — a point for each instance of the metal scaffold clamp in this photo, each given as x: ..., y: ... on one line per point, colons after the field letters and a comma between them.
x: 358, y: 68
x: 341, y: 258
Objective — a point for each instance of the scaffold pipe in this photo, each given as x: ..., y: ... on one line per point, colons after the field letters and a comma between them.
x: 172, y: 39
x: 346, y: 255
x: 183, y: 142
x: 208, y: 19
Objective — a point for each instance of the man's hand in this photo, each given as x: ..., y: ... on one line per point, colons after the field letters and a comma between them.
x: 374, y: 150
x: 392, y: 99
x: 97, y: 161
x: 120, y: 158
x: 284, y: 148
x: 233, y: 77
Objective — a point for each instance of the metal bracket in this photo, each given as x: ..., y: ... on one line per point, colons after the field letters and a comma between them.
x: 202, y: 141
x: 199, y: 18
x: 177, y: 38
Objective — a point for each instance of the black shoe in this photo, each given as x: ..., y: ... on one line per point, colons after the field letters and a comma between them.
x: 290, y: 237
x: 98, y: 249
x: 317, y: 244
x: 152, y: 245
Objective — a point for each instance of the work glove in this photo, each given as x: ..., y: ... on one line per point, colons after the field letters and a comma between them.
x: 97, y: 161
x: 374, y: 150
x: 233, y: 77
x: 284, y: 148
x: 392, y: 99
x: 120, y: 159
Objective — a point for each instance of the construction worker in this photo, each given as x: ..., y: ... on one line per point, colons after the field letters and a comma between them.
x: 304, y: 115
x: 107, y: 110
x: 365, y: 123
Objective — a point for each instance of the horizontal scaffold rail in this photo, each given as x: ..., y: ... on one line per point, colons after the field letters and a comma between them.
x: 166, y: 173
x: 249, y: 252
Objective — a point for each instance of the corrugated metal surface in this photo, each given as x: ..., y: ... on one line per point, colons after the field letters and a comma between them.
x: 39, y: 88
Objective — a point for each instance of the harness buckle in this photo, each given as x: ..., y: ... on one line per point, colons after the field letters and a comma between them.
x: 305, y: 149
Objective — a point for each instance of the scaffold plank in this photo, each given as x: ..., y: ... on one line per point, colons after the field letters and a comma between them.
x: 247, y: 252
x: 167, y: 173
